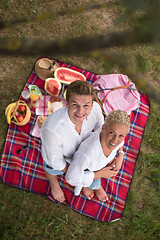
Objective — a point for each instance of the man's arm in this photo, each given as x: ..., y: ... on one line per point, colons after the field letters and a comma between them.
x: 52, y: 150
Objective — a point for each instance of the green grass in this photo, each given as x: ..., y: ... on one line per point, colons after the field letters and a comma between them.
x: 25, y: 215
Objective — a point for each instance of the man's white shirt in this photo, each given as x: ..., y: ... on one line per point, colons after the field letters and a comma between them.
x: 59, y: 138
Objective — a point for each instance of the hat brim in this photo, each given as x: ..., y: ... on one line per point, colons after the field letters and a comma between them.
x: 42, y: 68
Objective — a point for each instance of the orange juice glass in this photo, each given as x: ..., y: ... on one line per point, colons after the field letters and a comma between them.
x: 34, y: 97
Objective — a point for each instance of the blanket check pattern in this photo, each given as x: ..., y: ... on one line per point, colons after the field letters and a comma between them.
x: 25, y: 170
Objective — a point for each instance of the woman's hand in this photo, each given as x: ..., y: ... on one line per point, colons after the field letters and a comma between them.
x: 117, y: 163
x: 105, y: 172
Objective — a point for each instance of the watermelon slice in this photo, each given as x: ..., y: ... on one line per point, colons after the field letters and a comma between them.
x: 67, y: 75
x: 52, y: 86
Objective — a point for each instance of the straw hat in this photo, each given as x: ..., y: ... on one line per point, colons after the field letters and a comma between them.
x: 45, y: 68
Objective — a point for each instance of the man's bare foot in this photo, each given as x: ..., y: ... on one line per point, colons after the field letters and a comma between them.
x: 88, y: 193
x: 57, y: 193
x: 56, y: 190
x: 101, y: 194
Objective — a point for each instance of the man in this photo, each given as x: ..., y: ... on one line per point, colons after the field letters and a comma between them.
x: 65, y: 129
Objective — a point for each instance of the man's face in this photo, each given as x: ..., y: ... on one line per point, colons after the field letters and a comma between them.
x: 79, y: 107
x: 113, y: 134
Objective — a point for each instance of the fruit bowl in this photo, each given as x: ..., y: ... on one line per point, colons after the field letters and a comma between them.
x: 18, y: 113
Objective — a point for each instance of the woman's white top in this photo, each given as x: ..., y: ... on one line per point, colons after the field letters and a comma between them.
x: 59, y: 138
x: 88, y: 158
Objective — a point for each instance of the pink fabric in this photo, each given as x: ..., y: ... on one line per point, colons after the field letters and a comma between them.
x: 41, y: 110
x: 124, y: 99
x: 36, y: 130
x: 42, y: 107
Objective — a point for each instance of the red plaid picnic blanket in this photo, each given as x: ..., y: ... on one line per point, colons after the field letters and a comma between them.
x: 25, y: 170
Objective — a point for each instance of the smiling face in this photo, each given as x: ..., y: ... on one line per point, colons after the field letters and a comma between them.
x: 112, y: 135
x: 79, y: 107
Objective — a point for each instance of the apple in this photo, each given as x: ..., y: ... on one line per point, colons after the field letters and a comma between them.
x: 22, y: 108
x: 16, y: 113
x: 20, y: 118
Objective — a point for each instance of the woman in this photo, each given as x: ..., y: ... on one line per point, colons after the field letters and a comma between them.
x: 98, y: 153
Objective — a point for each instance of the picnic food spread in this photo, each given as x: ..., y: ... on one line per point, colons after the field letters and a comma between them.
x: 56, y: 82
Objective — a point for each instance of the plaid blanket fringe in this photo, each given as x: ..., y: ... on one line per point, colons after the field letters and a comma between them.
x: 25, y: 170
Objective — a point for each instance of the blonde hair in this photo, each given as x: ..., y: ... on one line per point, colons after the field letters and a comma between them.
x: 81, y: 88
x: 118, y: 116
